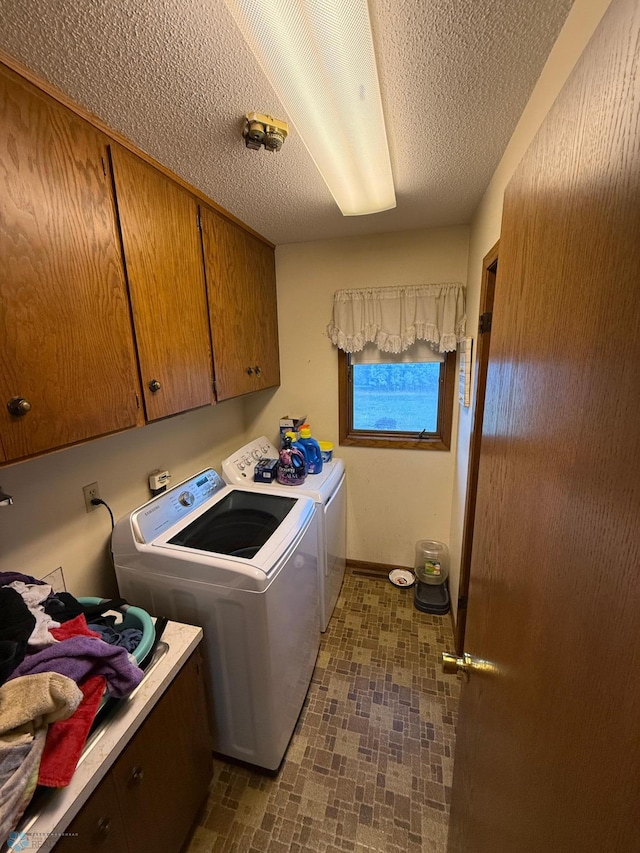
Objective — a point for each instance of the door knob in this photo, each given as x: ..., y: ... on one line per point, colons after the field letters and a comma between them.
x: 154, y: 386
x: 452, y: 664
x: 250, y: 371
x: 258, y: 370
x: 18, y: 406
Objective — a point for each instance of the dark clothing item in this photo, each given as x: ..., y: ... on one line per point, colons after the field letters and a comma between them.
x: 63, y: 606
x: 16, y: 624
x: 9, y: 577
x: 128, y: 638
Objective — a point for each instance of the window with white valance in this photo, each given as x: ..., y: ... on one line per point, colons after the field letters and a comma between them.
x: 396, y: 362
x: 394, y: 318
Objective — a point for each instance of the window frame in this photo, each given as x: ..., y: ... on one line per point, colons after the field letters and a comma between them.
x: 441, y: 440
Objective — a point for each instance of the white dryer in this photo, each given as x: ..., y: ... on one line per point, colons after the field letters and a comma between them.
x: 243, y: 565
x: 329, y: 492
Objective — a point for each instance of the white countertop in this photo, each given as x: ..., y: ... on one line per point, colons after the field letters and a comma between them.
x: 55, y: 811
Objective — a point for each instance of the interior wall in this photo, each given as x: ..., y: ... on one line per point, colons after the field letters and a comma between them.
x: 48, y: 526
x: 394, y: 497
x: 581, y: 22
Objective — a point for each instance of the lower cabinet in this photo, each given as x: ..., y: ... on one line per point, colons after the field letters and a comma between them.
x: 150, y: 798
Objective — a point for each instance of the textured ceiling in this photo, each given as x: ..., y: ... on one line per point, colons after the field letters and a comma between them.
x: 175, y: 77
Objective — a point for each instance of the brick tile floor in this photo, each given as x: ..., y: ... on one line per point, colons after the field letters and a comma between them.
x: 369, y: 765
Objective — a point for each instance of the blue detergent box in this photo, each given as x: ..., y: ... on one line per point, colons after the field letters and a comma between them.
x: 265, y: 471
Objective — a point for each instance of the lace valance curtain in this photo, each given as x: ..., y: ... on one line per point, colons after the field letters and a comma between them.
x: 393, y: 318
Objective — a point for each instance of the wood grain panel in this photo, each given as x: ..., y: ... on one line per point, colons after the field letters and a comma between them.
x: 98, y: 825
x: 261, y: 273
x: 66, y: 334
x: 161, y: 790
x: 163, y: 256
x: 10, y: 62
x: 547, y: 756
x: 242, y: 308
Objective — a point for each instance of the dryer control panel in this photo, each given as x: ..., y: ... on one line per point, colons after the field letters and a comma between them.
x: 166, y: 509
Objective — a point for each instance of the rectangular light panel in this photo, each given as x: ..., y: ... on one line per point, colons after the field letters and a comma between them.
x: 318, y: 56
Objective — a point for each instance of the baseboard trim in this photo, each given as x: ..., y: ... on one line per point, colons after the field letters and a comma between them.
x: 365, y: 569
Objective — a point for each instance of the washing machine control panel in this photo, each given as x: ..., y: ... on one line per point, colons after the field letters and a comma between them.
x: 166, y: 509
x: 239, y: 467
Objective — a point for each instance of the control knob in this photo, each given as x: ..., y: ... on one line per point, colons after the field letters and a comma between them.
x: 186, y: 498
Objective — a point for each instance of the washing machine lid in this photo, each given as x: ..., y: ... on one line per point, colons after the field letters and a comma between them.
x: 237, y: 469
x: 236, y: 525
x: 205, y: 520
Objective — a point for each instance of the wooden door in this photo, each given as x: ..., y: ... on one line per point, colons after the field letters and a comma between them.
x: 242, y: 307
x: 548, y: 750
x: 67, y: 344
x: 163, y: 256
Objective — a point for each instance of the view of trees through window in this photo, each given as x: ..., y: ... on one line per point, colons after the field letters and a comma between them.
x: 396, y: 397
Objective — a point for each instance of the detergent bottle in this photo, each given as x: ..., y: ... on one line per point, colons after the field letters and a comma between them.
x: 300, y: 447
x: 312, y: 449
x: 292, y: 467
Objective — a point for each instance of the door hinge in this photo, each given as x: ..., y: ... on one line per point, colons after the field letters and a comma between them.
x: 137, y: 402
x: 104, y: 167
x: 198, y: 220
x: 485, y: 322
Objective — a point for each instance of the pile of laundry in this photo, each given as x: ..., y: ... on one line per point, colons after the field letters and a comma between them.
x: 57, y: 660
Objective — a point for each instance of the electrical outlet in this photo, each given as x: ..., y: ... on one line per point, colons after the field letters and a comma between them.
x: 90, y: 492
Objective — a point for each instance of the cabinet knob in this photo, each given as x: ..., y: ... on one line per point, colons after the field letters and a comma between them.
x: 137, y: 775
x: 249, y: 371
x: 258, y: 370
x: 104, y: 825
x: 18, y: 406
x: 154, y: 385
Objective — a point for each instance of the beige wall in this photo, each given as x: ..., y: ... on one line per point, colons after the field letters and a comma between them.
x: 485, y: 227
x: 395, y: 497
x: 48, y: 527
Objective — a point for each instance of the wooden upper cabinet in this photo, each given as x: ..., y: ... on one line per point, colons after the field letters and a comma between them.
x: 241, y: 286
x: 66, y: 344
x: 163, y: 258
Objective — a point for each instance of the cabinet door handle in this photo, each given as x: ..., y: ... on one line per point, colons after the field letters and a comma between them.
x: 258, y: 370
x: 104, y: 826
x: 249, y: 371
x: 154, y: 386
x: 18, y: 406
x: 137, y: 775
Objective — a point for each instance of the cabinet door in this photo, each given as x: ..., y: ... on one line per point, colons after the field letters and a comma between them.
x: 67, y: 344
x: 163, y: 775
x: 163, y: 257
x: 242, y: 307
x: 98, y: 825
x: 261, y: 271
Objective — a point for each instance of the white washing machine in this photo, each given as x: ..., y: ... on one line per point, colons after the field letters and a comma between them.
x: 329, y: 492
x: 243, y: 565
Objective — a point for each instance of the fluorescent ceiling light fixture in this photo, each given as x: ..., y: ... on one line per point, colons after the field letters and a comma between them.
x: 318, y: 56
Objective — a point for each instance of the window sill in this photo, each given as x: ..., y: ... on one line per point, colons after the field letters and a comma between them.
x: 363, y: 439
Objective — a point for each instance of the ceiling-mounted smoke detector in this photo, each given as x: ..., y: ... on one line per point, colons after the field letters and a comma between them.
x: 264, y: 130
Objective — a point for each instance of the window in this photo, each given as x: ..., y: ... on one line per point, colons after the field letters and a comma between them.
x: 403, y: 401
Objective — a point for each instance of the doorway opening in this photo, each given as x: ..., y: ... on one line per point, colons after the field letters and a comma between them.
x: 487, y: 294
